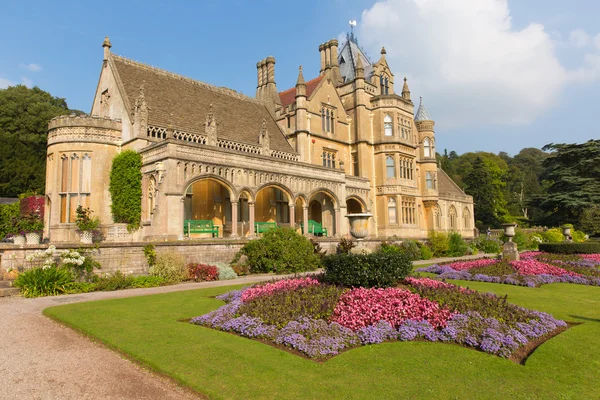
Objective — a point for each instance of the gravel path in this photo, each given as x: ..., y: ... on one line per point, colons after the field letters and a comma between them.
x: 41, y: 359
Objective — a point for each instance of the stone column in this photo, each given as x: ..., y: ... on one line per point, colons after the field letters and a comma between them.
x: 234, y: 220
x: 181, y: 237
x: 305, y: 219
x: 338, y: 218
x: 292, y: 215
x: 251, y: 222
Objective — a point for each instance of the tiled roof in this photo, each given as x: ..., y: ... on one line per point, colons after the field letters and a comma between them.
x: 347, y: 61
x: 447, y: 186
x: 184, y: 103
x: 422, y: 114
x: 289, y: 96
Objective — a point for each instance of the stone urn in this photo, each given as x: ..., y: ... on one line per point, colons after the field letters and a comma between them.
x: 86, y: 237
x: 566, y: 230
x: 19, y: 240
x: 509, y: 230
x: 32, y: 237
x: 359, y: 225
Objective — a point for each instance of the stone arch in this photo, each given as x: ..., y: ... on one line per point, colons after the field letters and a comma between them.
x: 217, y: 178
x: 352, y: 208
x: 323, y: 208
x: 279, y: 186
x: 272, y: 204
x: 452, y: 218
x: 333, y: 196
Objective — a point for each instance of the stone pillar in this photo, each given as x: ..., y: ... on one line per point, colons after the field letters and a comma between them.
x: 338, y: 217
x: 251, y: 217
x: 292, y: 216
x: 181, y: 237
x: 305, y: 219
x: 234, y: 219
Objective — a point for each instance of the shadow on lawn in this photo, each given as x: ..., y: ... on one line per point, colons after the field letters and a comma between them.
x: 585, y: 318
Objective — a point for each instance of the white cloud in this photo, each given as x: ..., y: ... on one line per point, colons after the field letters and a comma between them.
x: 26, y: 81
x: 580, y: 38
x: 468, y: 61
x: 33, y: 67
x: 4, y: 83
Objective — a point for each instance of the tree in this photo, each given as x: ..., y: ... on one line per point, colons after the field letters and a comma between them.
x: 573, y: 175
x: 24, y: 117
x: 480, y: 184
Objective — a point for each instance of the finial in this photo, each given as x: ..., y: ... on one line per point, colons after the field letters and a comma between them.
x: 300, y: 80
x: 106, y: 42
x: 383, y: 52
x: 404, y: 79
x: 420, y: 100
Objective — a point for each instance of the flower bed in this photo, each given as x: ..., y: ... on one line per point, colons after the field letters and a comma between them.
x: 533, y: 270
x: 320, y: 320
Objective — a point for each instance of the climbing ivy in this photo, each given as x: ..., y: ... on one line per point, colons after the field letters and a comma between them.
x: 126, y: 189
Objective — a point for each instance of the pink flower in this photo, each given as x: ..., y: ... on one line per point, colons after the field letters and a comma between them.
x: 362, y: 307
x: 432, y: 283
x: 465, y: 265
x: 272, y: 287
x: 534, y: 267
x: 592, y: 257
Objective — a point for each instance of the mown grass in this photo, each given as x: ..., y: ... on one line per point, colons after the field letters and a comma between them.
x: 223, y: 365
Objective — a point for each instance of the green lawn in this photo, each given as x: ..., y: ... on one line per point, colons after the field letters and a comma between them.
x: 222, y: 365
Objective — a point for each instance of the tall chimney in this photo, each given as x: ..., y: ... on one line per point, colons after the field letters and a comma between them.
x: 335, y: 68
x: 322, y: 54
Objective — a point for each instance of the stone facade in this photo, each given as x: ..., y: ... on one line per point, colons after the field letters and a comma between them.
x: 343, y: 142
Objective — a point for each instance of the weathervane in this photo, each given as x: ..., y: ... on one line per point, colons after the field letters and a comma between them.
x: 352, y: 23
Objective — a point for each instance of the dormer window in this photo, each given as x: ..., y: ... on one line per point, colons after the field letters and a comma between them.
x: 384, y: 84
x: 342, y: 61
x: 327, y: 120
x: 387, y: 126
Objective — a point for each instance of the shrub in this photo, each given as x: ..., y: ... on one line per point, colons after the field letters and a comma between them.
x: 50, y: 281
x: 366, y: 270
x: 170, y: 266
x: 579, y: 236
x: 150, y: 253
x: 571, y: 247
x: 553, y: 235
x: 240, y: 269
x: 456, y: 245
x: 411, y: 247
x: 389, y: 248
x: 438, y: 241
x: 225, y: 271
x: 280, y: 250
x: 8, y: 213
x: 317, y: 249
x: 115, y: 281
x: 126, y: 188
x: 487, y: 245
x: 202, y: 272
x: 426, y: 252
x: 345, y: 246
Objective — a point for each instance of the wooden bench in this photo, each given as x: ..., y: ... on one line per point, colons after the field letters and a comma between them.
x: 200, y: 226
x: 260, y: 227
x: 315, y: 228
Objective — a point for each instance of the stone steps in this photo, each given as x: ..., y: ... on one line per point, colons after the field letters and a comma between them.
x: 7, y: 289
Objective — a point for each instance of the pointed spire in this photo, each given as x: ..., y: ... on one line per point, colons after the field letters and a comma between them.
x: 300, y: 80
x: 422, y: 114
x: 405, y: 90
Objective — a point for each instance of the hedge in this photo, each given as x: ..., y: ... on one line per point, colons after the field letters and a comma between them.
x: 366, y: 270
x: 571, y: 247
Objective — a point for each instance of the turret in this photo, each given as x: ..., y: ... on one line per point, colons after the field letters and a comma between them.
x: 301, y: 113
x: 405, y: 90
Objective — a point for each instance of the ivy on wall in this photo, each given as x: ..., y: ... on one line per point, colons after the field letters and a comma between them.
x: 126, y: 189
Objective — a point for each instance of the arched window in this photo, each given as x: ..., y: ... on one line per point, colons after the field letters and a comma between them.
x: 392, y: 219
x: 437, y: 217
x: 428, y: 180
x: 466, y: 218
x: 390, y: 167
x: 387, y: 126
x: 384, y: 84
x: 426, y: 147
x: 452, y: 217
x: 151, y: 195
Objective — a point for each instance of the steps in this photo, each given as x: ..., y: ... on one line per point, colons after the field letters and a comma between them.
x: 7, y: 289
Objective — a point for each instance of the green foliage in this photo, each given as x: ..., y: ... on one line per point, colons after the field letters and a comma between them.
x: 225, y: 271
x: 50, y: 281
x: 426, y: 252
x: 438, y: 241
x: 578, y: 236
x: 150, y: 253
x: 30, y: 223
x: 24, y: 117
x: 171, y: 267
x: 410, y: 247
x: 85, y: 271
x: 280, y: 250
x: 589, y: 220
x: 367, y: 270
x: 571, y: 247
x: 126, y: 188
x: 485, y: 183
x: 498, y: 269
x: 553, y: 235
x: 456, y: 245
x: 9, y: 213
x: 487, y: 245
x: 116, y: 281
x: 85, y: 221
x: 317, y: 249
x: 345, y: 246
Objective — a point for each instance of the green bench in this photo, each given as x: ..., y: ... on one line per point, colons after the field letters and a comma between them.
x: 315, y: 228
x: 260, y: 227
x: 200, y: 226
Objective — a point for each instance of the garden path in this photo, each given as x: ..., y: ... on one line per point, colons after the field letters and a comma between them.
x: 42, y: 359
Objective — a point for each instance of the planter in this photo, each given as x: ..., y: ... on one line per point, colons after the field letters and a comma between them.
x: 509, y: 230
x: 19, y: 240
x: 566, y: 230
x: 359, y: 225
x: 33, y: 237
x: 86, y: 237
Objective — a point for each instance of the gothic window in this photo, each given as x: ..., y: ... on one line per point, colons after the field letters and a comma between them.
x: 387, y: 126
x: 327, y: 120
x: 427, y: 148
x: 328, y: 158
x: 452, y: 217
x: 392, y: 211
x: 355, y: 164
x: 466, y: 218
x: 408, y: 211
x: 384, y: 84
x: 390, y: 167
x: 437, y: 220
x: 75, y: 184
x: 429, y: 180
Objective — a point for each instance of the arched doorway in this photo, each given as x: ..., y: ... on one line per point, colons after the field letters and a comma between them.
x: 272, y: 208
x: 322, y: 210
x: 353, y: 206
x: 207, y: 209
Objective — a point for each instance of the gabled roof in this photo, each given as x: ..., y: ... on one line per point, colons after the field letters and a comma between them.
x: 347, y: 60
x: 289, y: 96
x: 184, y: 103
x: 446, y: 186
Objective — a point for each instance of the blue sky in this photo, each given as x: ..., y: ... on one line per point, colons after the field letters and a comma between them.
x: 496, y: 75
